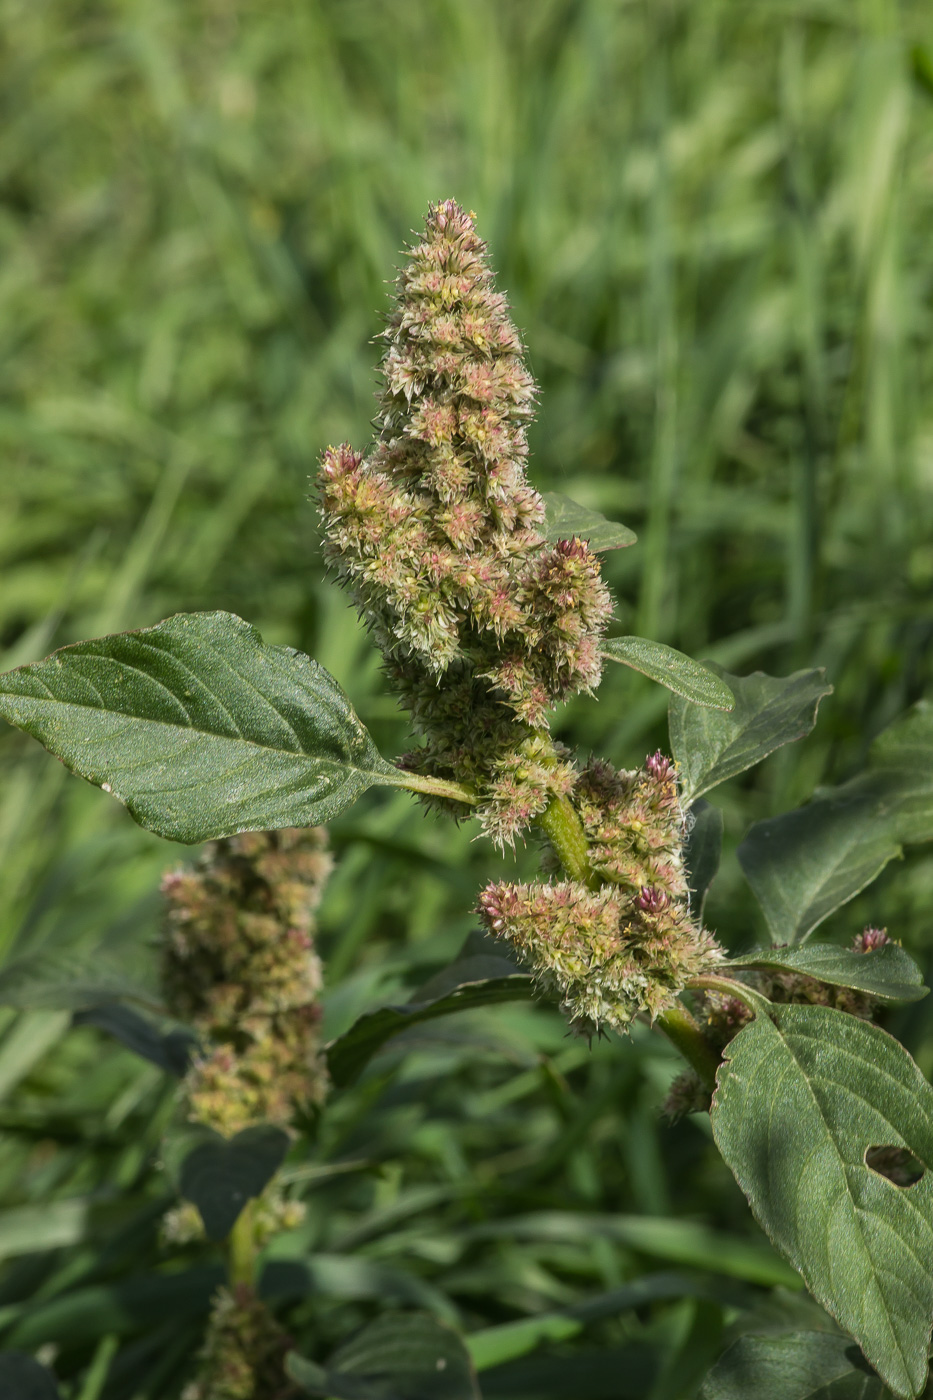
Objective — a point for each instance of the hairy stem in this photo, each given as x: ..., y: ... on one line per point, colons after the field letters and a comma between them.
x: 683, y: 1032
x: 563, y: 829
x: 241, y: 1248
x: 436, y: 787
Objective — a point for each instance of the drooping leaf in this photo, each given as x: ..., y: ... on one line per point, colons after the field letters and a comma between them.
x: 805, y: 864
x: 702, y: 853
x: 564, y: 519
x: 886, y: 973
x: 61, y: 981
x: 219, y: 1175
x: 349, y: 1054
x: 769, y: 711
x: 22, y: 1377
x: 686, y: 678
x: 170, y: 1050
x: 400, y: 1356
x: 199, y: 728
x: 803, y: 1093
x: 795, y: 1366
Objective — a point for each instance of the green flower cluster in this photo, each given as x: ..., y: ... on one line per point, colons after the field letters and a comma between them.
x: 238, y: 963
x: 244, y: 1352
x: 483, y: 625
x: 629, y: 945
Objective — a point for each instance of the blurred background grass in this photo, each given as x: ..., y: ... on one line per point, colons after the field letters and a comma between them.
x: 713, y: 223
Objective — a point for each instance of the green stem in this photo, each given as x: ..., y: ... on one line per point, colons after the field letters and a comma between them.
x: 563, y: 829
x: 683, y: 1032
x: 435, y: 787
x: 241, y: 1248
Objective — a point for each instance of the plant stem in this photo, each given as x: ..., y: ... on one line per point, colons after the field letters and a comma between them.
x: 561, y: 825
x: 435, y: 787
x: 241, y: 1248
x: 683, y: 1032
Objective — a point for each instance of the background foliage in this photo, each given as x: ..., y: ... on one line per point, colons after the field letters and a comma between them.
x: 713, y: 224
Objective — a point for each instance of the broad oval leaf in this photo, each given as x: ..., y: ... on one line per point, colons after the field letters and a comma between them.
x: 672, y: 669
x: 219, y: 1175
x: 769, y: 711
x: 802, y: 1094
x: 564, y: 519
x: 886, y: 973
x: 795, y: 1366
x: 199, y: 728
x: 400, y: 1356
x: 348, y: 1055
x: 805, y: 864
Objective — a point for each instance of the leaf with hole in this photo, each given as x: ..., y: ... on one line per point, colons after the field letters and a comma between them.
x: 348, y: 1055
x: 886, y: 973
x: 803, y: 1094
x: 400, y: 1356
x: 795, y: 1366
x: 769, y: 711
x: 199, y: 728
x: 219, y: 1175
x: 564, y: 519
x: 686, y: 678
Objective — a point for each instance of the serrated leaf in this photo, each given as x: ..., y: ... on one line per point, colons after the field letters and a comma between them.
x: 400, y: 1356
x: 170, y: 1050
x: 807, y: 863
x: 348, y: 1055
x: 199, y: 728
x: 769, y: 711
x: 219, y: 1175
x: 702, y: 853
x: 23, y: 1378
x: 795, y: 1366
x: 670, y: 668
x: 564, y: 519
x: 802, y: 1094
x: 886, y: 973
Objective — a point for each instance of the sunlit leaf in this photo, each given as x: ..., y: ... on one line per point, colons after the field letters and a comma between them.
x: 670, y: 668
x: 886, y: 973
x: 564, y: 519
x: 803, y: 1093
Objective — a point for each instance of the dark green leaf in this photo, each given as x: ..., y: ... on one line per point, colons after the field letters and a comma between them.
x: 60, y: 981
x: 170, y: 1050
x: 886, y: 973
x: 904, y: 754
x: 702, y: 853
x: 219, y: 1175
x: 693, y: 682
x: 23, y: 1378
x: 795, y: 1366
x: 349, y: 1054
x: 807, y: 863
x: 565, y: 518
x: 199, y: 728
x: 803, y: 1093
x: 769, y: 711
x: 400, y: 1356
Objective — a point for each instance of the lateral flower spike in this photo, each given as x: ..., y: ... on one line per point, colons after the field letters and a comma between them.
x: 484, y: 626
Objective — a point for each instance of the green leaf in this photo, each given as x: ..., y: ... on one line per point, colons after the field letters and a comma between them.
x: 795, y: 1366
x: 199, y: 728
x: 886, y: 973
x: 219, y: 1175
x: 564, y: 519
x: 170, y: 1050
x: 400, y: 1356
x: 702, y: 853
x: 349, y: 1054
x: 803, y: 1093
x: 23, y: 1378
x: 769, y: 711
x: 693, y: 682
x: 807, y: 863
x: 61, y: 981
